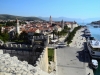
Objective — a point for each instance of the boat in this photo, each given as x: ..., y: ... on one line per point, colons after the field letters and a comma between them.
x: 94, y: 63
x: 87, y: 33
x: 93, y: 46
x: 95, y: 26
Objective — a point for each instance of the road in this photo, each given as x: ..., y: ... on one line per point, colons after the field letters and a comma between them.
x: 70, y: 61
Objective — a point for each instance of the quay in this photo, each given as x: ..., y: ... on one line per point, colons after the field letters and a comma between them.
x: 73, y: 60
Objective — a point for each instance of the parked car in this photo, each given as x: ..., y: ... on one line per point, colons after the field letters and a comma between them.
x: 61, y: 45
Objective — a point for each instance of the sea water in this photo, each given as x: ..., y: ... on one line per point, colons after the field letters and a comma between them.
x: 95, y: 32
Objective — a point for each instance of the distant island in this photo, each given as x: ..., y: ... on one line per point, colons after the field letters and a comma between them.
x: 12, y: 17
x: 96, y: 22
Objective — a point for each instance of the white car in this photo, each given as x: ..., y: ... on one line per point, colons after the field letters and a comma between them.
x: 55, y: 40
x: 61, y: 45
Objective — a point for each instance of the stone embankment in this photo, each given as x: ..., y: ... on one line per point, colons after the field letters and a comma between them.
x: 12, y: 66
x: 78, y: 41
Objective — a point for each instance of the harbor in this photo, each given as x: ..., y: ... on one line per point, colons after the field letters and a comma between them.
x: 74, y: 57
x: 95, y: 32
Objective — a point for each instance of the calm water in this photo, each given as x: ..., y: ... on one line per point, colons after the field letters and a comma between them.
x: 95, y: 32
x: 97, y: 71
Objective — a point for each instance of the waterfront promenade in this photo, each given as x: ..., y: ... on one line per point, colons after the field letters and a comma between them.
x: 70, y: 62
x: 73, y: 60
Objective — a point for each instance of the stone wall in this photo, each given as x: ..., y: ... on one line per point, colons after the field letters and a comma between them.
x: 55, y: 56
x: 13, y: 66
x: 42, y: 61
x: 17, y: 46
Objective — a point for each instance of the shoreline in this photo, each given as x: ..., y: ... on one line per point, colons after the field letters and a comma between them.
x: 78, y: 42
x: 78, y: 39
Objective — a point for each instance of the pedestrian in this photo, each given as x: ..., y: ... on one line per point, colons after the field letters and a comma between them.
x: 75, y: 43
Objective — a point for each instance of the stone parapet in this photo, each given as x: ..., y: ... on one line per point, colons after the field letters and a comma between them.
x: 13, y: 66
x: 17, y: 46
x: 42, y: 61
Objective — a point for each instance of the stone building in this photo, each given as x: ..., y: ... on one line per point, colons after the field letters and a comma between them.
x: 50, y: 20
x: 31, y: 53
x: 17, y: 27
x: 62, y: 24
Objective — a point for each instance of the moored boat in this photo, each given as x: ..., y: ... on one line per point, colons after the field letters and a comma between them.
x: 87, y: 33
x: 94, y: 64
x: 93, y: 47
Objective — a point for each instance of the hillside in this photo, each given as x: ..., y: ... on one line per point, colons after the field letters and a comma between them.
x: 96, y: 22
x: 12, y: 17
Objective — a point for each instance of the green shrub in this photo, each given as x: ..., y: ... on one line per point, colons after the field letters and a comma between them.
x: 50, y: 54
x: 71, y: 35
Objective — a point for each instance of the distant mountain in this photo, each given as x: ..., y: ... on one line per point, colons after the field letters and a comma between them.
x: 96, y: 22
x: 93, y: 19
x: 60, y: 18
x: 12, y: 17
x: 88, y: 20
x: 78, y: 20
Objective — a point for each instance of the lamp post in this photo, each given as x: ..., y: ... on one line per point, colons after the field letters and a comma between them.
x: 58, y: 36
x: 53, y: 34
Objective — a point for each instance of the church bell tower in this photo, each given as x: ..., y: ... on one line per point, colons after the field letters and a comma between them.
x: 17, y: 26
x: 50, y: 20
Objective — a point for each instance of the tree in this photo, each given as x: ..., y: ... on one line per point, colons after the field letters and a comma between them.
x: 36, y: 34
x: 0, y: 29
x: 16, y: 36
x: 10, y: 23
x: 23, y: 36
x: 4, y: 37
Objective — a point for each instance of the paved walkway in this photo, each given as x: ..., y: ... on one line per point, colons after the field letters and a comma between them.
x: 69, y: 61
x: 72, y: 61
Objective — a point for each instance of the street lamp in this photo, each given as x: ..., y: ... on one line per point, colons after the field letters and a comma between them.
x: 58, y: 36
x: 53, y: 33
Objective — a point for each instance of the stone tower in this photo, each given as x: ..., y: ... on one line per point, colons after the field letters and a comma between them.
x: 50, y: 20
x: 17, y: 26
x: 62, y: 24
x: 72, y: 26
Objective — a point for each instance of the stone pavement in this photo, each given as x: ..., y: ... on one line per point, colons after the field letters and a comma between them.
x: 70, y: 61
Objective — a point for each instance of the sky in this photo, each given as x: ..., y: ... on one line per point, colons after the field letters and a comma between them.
x: 56, y: 8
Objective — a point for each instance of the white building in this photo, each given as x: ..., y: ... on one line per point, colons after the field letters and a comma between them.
x: 72, y: 26
x: 37, y: 31
x: 57, y: 28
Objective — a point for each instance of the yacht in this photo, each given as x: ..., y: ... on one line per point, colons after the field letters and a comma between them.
x: 96, y: 26
x: 94, y: 63
x: 87, y: 33
x: 93, y: 47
